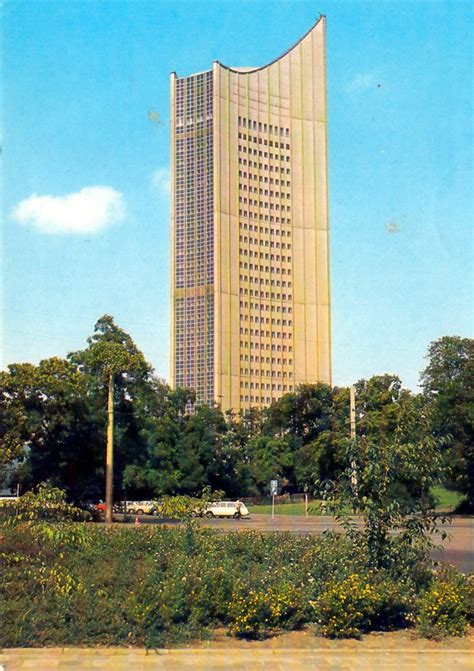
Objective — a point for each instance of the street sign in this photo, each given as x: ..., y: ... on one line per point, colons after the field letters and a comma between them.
x: 273, y: 487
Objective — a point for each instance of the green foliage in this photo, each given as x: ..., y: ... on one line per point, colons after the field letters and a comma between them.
x: 49, y: 424
x: 54, y: 418
x: 389, y: 477
x: 46, y: 504
x: 444, y: 606
x: 111, y: 351
x: 82, y: 584
x: 182, y: 507
x: 254, y: 611
x: 448, y: 385
x: 360, y: 603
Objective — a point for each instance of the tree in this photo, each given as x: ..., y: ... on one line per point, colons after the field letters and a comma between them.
x: 378, y: 405
x: 185, y: 451
x: 448, y: 384
x: 394, y: 479
x: 271, y: 458
x: 309, y: 424
x: 113, y: 357
x: 49, y: 420
x: 304, y: 413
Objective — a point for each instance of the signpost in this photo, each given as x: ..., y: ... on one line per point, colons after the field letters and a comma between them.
x: 273, y: 492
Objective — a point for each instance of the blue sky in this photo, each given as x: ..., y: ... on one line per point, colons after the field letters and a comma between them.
x: 86, y: 160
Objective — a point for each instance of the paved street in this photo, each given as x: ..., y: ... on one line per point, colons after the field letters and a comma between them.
x: 459, y: 548
x: 295, y: 651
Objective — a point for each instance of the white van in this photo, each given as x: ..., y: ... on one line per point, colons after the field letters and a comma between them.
x: 225, y: 509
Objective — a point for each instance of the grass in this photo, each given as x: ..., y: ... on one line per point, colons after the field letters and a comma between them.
x: 287, y: 508
x: 447, y: 500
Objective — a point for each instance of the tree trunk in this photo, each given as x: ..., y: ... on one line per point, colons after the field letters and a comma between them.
x: 109, y: 459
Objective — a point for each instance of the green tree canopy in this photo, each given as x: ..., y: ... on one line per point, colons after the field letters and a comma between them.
x: 448, y: 384
x: 47, y: 415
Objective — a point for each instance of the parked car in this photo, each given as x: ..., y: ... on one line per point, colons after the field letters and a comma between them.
x: 141, y: 507
x: 225, y: 509
x: 132, y: 507
x: 101, y: 506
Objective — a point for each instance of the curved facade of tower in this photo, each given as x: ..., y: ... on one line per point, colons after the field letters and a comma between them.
x: 249, y: 220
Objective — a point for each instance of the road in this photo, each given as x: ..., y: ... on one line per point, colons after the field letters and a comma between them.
x: 458, y: 547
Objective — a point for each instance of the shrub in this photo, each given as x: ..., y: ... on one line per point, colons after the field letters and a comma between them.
x: 82, y: 584
x: 46, y: 504
x: 470, y: 598
x: 255, y: 611
x: 250, y: 613
x: 346, y: 607
x: 360, y: 603
x: 443, y: 607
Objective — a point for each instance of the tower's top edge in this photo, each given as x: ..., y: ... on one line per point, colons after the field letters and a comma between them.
x: 195, y: 74
x: 248, y: 71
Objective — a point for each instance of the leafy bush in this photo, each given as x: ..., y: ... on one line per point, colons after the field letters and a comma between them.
x: 360, y: 603
x: 73, y: 583
x: 47, y: 504
x: 346, y: 607
x: 443, y: 607
x: 255, y: 612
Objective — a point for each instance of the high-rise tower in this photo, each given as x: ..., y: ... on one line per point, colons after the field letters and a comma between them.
x: 249, y: 228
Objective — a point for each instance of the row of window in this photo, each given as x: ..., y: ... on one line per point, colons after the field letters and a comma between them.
x: 260, y: 126
x: 244, y: 291
x: 255, y: 358
x: 265, y: 204
x: 263, y: 385
x: 263, y: 154
x: 264, y: 141
x: 251, y: 344
x: 265, y: 320
x: 268, y: 282
x: 265, y: 192
x: 264, y: 179
x: 263, y: 217
x: 265, y: 360
x: 260, y: 333
x: 273, y: 244
x: 260, y: 399
x: 256, y: 228
x: 243, y: 251
x: 270, y: 270
x: 264, y: 166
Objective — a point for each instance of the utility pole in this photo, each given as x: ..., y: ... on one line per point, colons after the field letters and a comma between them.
x: 109, y: 459
x: 353, y: 412
x: 353, y: 436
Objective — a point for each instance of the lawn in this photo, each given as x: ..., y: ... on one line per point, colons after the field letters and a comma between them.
x: 447, y: 500
x: 287, y: 508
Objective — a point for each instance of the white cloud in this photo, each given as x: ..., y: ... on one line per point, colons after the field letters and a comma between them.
x: 161, y: 180
x: 361, y: 82
x: 88, y: 211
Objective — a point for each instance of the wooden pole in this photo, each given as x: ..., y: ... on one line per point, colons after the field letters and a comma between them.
x: 354, y: 482
x: 353, y: 412
x: 109, y: 459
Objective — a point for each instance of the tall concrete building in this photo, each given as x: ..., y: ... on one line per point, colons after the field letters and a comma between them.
x: 249, y: 228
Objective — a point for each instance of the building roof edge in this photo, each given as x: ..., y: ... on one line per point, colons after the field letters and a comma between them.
x: 321, y: 17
